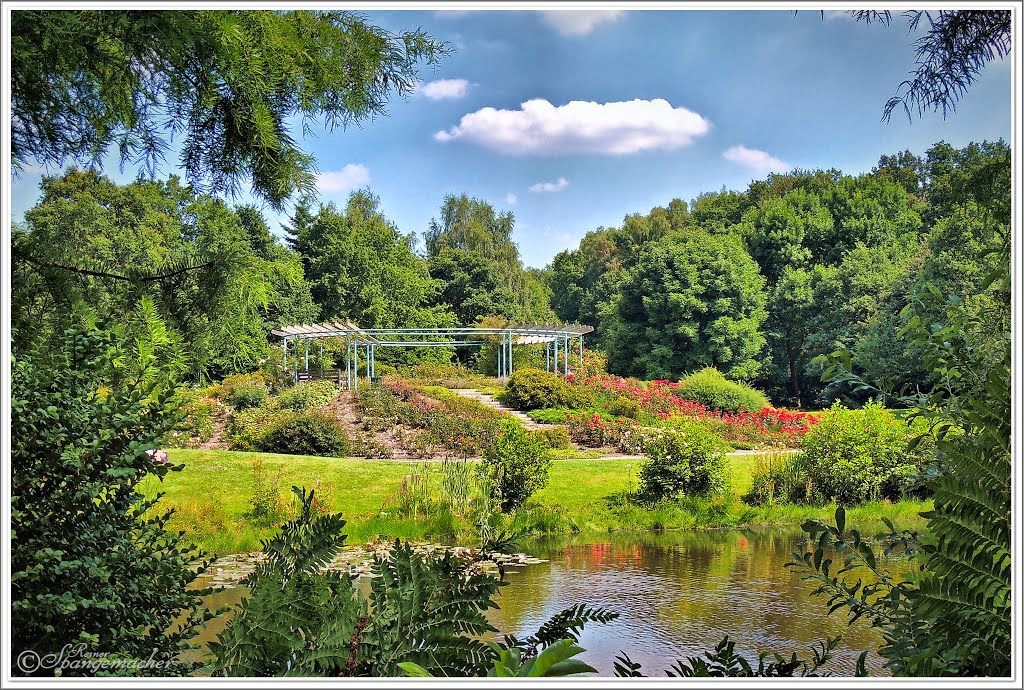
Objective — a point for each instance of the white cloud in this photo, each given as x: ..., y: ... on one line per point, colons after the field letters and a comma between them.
x: 760, y: 161
x: 511, y: 199
x: 556, y: 186
x: 352, y: 176
x: 579, y: 22
x: 444, y: 88
x: 580, y: 127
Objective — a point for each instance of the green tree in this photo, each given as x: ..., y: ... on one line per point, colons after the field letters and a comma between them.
x: 471, y: 286
x: 691, y: 301
x: 92, y: 563
x: 88, y: 235
x: 359, y: 266
x: 473, y: 227
x: 230, y: 82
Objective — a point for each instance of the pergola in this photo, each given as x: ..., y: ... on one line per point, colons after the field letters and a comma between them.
x: 559, y: 342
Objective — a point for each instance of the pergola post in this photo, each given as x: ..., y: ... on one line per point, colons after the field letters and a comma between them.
x: 565, y: 351
x: 555, y: 343
x: 511, y: 342
x: 547, y: 356
x: 581, y: 352
x: 284, y: 350
x: 306, y: 340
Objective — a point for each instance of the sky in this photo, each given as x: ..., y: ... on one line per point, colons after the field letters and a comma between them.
x: 573, y: 119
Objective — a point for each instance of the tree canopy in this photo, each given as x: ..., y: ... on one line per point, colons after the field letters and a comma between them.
x: 229, y: 83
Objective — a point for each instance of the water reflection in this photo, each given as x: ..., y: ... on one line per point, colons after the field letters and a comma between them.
x: 678, y: 594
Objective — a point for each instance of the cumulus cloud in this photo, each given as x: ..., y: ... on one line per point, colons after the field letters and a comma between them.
x: 556, y: 186
x: 444, y: 88
x: 580, y: 127
x: 760, y: 161
x: 352, y: 176
x: 579, y: 22
x: 511, y: 199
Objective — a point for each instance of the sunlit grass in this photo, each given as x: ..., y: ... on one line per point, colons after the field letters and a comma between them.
x: 211, y: 498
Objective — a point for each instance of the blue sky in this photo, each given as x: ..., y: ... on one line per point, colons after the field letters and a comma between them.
x: 626, y: 110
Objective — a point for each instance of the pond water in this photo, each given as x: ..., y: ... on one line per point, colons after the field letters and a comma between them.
x: 678, y: 594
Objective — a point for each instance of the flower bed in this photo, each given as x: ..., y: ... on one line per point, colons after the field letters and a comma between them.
x: 769, y: 427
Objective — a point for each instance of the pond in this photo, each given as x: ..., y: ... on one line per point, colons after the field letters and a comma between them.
x: 678, y: 594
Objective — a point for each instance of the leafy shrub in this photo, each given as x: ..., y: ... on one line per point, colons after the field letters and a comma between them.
x: 439, y: 374
x: 248, y: 427
x: 778, y: 478
x: 516, y: 465
x: 626, y: 407
x: 531, y: 389
x: 308, y: 395
x: 686, y: 458
x: 267, y: 504
x: 306, y: 433
x: 715, y: 392
x: 248, y: 394
x: 104, y: 574
x: 197, y: 423
x: 860, y: 455
x: 555, y: 438
x: 228, y: 385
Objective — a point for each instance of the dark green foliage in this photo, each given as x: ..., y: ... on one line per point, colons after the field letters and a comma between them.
x: 360, y: 266
x: 715, y: 392
x: 421, y: 612
x: 308, y: 395
x: 690, y: 301
x: 91, y: 560
x: 471, y: 286
x: 87, y: 80
x: 954, y: 619
x: 687, y: 458
x: 306, y: 433
x: 516, y: 464
x: 107, y: 245
x: 851, y: 456
x: 471, y: 252
x: 531, y: 389
x: 297, y: 620
x: 725, y: 662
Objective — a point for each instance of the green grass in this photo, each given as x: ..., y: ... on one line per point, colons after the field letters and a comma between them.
x: 211, y: 498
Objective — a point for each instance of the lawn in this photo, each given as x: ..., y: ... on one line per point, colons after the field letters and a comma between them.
x: 211, y: 498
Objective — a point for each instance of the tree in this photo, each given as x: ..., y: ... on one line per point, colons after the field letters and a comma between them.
x: 471, y: 287
x: 87, y: 231
x: 691, y: 301
x: 229, y: 81
x: 359, y: 266
x: 956, y: 47
x: 472, y: 226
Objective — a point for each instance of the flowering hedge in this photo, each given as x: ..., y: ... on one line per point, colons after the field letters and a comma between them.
x: 660, y: 403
